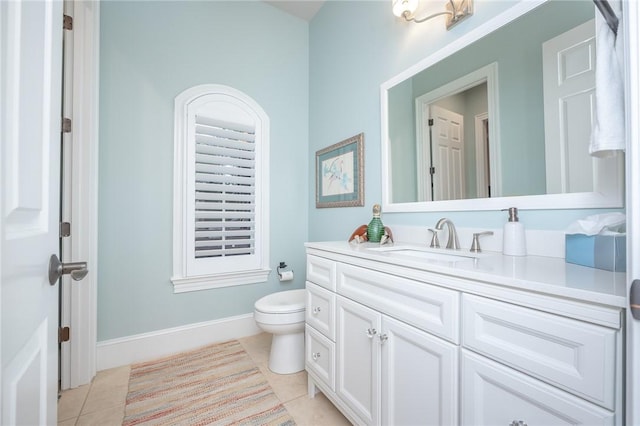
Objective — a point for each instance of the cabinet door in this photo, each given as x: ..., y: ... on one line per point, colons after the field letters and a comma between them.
x: 419, y: 377
x: 358, y: 359
x: 493, y: 394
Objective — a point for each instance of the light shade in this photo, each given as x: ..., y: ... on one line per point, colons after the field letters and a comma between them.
x: 456, y: 11
x: 402, y: 7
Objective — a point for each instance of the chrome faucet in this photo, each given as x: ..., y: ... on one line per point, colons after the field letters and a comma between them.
x: 452, y: 241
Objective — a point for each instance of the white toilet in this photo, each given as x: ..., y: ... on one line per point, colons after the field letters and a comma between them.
x: 282, y: 314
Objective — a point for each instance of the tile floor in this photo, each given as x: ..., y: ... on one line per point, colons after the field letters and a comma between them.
x: 101, y: 403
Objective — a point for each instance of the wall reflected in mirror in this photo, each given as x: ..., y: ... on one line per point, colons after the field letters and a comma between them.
x: 453, y: 135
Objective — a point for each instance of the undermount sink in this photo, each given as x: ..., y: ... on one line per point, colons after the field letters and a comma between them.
x: 447, y: 255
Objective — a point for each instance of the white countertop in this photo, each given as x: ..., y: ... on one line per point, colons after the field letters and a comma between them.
x: 546, y: 275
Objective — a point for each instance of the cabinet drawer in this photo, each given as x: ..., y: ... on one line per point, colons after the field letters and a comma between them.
x: 571, y: 354
x: 322, y: 272
x: 427, y: 307
x: 320, y: 312
x: 320, y: 357
x: 493, y: 394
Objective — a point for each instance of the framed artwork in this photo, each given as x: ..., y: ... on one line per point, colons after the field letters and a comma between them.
x: 340, y: 174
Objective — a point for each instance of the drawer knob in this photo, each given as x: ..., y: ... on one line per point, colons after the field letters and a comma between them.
x: 315, y: 356
x: 371, y: 332
x: 316, y: 310
x: 517, y: 423
x: 383, y: 338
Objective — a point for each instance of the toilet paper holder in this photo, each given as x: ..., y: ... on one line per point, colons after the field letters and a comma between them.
x: 280, y: 268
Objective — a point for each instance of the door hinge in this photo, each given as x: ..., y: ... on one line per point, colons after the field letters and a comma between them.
x: 63, y: 334
x: 66, y: 125
x: 67, y: 22
x: 65, y: 229
x: 431, y: 122
x: 634, y: 299
x: 432, y: 170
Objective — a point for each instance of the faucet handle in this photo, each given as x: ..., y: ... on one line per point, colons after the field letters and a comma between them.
x: 435, y: 243
x: 475, y: 243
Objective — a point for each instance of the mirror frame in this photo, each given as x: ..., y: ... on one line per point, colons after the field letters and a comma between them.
x: 608, y: 187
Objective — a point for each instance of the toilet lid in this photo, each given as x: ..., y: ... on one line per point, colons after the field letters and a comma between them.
x: 282, y: 302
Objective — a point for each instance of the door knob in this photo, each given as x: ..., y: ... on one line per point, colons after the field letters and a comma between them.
x: 77, y: 270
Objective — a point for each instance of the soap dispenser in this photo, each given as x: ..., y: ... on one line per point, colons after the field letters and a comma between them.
x: 513, y: 239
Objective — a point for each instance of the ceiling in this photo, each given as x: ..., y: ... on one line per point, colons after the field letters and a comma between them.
x: 305, y: 9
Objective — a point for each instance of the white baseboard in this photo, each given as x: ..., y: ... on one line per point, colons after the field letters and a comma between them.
x: 146, y: 346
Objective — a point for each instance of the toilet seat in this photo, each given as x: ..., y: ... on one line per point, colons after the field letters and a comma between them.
x: 284, y: 302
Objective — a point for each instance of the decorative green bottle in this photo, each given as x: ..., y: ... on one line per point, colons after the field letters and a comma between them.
x: 375, y: 230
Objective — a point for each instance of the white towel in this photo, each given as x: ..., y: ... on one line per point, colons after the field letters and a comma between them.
x: 607, y: 136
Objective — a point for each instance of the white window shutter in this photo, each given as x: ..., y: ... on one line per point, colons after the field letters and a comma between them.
x: 220, y: 189
x: 225, y: 188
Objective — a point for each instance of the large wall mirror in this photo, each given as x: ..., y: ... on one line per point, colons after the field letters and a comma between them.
x: 487, y: 123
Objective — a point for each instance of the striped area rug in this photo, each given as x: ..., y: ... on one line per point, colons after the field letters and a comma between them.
x: 214, y: 385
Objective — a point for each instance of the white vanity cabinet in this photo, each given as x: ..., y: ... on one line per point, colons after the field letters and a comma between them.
x: 493, y: 394
x: 388, y: 369
x: 563, y: 371
x: 407, y: 344
x: 389, y: 372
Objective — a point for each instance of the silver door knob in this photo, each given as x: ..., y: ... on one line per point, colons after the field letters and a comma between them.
x: 77, y: 270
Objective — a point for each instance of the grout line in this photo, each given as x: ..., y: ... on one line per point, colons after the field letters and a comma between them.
x: 85, y: 400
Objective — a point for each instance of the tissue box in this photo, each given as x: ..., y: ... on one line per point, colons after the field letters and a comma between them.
x: 597, y: 251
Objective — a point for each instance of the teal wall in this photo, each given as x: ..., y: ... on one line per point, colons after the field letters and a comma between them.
x: 355, y: 46
x: 319, y: 82
x: 151, y: 51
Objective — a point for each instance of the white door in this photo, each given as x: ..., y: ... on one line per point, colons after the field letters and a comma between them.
x: 419, y: 379
x: 30, y: 85
x: 358, y: 359
x: 569, y: 64
x: 447, y: 147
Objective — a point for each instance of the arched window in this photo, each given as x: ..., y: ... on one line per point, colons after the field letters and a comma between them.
x: 221, y: 189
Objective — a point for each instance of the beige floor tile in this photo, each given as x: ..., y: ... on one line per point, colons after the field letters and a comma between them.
x: 71, y: 402
x: 286, y: 386
x: 105, y: 396
x: 108, y: 390
x: 68, y: 422
x: 258, y: 347
x: 113, y: 377
x: 105, y: 417
x: 318, y: 411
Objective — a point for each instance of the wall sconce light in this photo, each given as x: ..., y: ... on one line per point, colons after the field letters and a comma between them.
x: 456, y: 10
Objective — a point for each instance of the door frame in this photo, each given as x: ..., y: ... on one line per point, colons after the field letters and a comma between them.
x: 482, y: 160
x: 487, y: 74
x: 631, y: 23
x: 78, y: 364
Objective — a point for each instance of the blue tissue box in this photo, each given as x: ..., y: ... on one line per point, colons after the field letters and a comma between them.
x: 607, y: 252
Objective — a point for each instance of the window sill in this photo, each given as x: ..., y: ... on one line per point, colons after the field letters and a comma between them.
x: 206, y: 282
